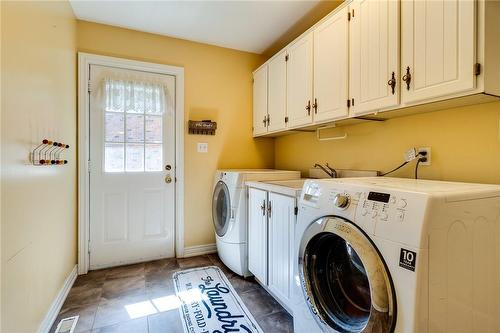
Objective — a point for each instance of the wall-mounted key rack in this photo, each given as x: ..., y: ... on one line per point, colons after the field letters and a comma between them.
x: 204, y: 127
x: 48, y: 153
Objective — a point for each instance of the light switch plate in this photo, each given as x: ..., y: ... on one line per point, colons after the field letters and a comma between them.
x: 202, y: 147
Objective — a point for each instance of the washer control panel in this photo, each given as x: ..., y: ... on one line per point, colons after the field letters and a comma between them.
x: 382, y: 206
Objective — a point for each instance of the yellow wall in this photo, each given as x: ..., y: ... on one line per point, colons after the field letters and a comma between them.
x: 465, y: 145
x: 38, y: 73
x: 218, y: 86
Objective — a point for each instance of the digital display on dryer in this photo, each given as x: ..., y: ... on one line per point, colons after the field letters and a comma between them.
x: 380, y: 197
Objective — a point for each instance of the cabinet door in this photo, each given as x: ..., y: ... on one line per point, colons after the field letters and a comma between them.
x: 374, y: 55
x: 438, y: 48
x: 257, y: 233
x: 299, y: 81
x: 331, y: 47
x: 281, y: 220
x: 277, y: 93
x: 260, y: 101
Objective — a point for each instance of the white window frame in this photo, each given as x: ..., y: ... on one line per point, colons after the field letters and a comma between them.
x: 85, y: 60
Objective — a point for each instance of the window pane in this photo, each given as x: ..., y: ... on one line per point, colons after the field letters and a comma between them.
x: 135, y: 157
x: 135, y: 128
x: 114, y: 127
x: 154, y: 157
x: 113, y: 157
x: 154, y: 129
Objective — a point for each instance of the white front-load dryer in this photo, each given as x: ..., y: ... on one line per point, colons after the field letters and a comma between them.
x: 229, y: 212
x: 397, y: 255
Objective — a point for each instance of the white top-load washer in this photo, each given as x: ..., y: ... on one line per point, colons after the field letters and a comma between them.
x: 229, y: 212
x: 397, y: 255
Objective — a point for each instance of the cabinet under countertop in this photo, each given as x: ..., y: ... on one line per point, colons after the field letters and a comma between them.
x: 272, y: 215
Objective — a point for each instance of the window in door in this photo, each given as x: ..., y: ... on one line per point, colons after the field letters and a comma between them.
x: 133, y: 118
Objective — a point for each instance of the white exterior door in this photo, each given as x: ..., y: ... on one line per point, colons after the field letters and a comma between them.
x: 277, y: 93
x: 331, y: 49
x: 257, y: 233
x: 374, y: 55
x: 438, y: 39
x: 260, y: 101
x: 299, y: 82
x: 132, y: 166
x: 281, y: 220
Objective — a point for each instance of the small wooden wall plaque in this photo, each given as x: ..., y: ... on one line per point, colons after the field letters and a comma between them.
x: 204, y: 127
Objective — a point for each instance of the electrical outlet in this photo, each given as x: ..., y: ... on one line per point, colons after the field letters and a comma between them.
x: 202, y: 147
x: 428, y: 156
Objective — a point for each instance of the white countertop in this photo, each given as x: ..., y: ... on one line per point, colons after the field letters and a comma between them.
x: 290, y: 187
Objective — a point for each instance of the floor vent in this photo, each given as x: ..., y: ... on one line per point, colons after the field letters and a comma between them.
x: 67, y: 325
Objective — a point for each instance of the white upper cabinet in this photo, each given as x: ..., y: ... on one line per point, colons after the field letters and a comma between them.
x: 369, y: 56
x: 260, y: 101
x: 331, y: 47
x: 438, y: 48
x: 299, y: 81
x: 374, y: 55
x: 277, y: 92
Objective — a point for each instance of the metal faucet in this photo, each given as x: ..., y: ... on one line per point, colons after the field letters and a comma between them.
x: 328, y: 170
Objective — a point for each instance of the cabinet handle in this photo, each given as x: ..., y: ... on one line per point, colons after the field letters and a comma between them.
x: 407, y: 78
x: 308, y: 108
x: 265, y: 121
x: 269, y: 209
x: 392, y: 83
x: 268, y: 120
x: 315, y: 106
x: 263, y: 207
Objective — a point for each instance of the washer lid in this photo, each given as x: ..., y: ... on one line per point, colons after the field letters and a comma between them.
x: 344, y: 279
x: 221, y: 208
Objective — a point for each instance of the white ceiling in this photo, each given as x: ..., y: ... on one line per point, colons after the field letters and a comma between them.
x: 250, y: 26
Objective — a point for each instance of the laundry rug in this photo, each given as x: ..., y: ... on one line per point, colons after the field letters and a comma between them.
x: 209, y: 303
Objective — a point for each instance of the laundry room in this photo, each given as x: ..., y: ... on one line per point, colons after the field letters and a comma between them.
x: 272, y: 166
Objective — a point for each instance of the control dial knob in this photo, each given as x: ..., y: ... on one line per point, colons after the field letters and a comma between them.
x: 341, y: 201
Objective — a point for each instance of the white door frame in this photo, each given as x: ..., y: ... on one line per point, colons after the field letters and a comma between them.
x: 84, y: 62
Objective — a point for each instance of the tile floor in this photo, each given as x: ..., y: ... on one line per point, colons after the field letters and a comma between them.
x: 101, y: 298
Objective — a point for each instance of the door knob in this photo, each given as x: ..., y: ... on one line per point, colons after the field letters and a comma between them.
x: 168, y: 179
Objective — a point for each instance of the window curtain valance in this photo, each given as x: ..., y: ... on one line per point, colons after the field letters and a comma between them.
x: 133, y: 96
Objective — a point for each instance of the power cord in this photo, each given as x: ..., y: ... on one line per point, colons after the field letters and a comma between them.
x: 420, y: 156
x: 423, y: 158
x: 395, y: 169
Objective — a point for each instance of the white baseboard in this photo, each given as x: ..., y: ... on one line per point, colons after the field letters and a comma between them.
x: 199, y: 250
x: 58, y: 302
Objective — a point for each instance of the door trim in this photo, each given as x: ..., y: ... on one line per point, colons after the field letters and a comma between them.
x: 84, y: 62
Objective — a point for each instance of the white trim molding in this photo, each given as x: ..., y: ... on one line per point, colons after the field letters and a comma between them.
x: 85, y: 60
x: 58, y: 302
x: 199, y: 250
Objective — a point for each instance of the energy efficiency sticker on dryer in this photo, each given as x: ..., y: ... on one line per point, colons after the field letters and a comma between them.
x: 407, y: 259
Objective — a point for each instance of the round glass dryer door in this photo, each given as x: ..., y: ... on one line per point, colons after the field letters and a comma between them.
x: 344, y: 279
x: 221, y: 208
